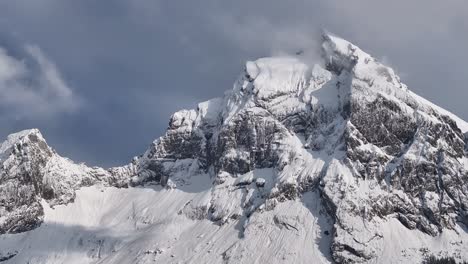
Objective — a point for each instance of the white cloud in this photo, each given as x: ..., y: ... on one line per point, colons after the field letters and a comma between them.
x: 32, y: 87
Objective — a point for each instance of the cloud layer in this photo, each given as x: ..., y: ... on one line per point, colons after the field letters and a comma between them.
x: 32, y: 87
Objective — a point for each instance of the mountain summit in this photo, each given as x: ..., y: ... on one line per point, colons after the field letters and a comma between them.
x: 333, y: 162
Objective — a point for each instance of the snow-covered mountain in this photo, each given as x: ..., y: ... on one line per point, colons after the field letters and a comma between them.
x: 332, y: 162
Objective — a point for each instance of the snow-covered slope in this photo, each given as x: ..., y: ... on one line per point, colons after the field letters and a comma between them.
x: 298, y: 163
x: 109, y: 225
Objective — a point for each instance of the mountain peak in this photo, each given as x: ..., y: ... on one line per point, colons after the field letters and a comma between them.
x: 21, y: 138
x: 24, y: 135
x: 332, y: 43
x: 346, y: 127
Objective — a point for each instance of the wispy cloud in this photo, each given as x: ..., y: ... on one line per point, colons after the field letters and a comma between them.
x: 33, y: 87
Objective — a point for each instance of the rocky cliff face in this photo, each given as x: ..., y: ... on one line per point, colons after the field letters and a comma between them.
x: 345, y: 129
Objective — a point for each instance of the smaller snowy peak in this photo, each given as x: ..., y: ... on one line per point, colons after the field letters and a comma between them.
x: 30, y: 171
x: 22, y: 138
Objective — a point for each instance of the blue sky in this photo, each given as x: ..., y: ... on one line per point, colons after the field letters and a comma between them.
x: 100, y: 79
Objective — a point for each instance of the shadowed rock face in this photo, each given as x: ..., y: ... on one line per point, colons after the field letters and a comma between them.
x: 420, y: 158
x: 349, y: 130
x: 416, y: 171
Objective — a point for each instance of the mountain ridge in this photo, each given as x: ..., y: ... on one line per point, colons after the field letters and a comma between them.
x: 348, y: 135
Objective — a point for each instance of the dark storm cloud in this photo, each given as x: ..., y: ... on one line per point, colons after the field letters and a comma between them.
x: 133, y: 63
